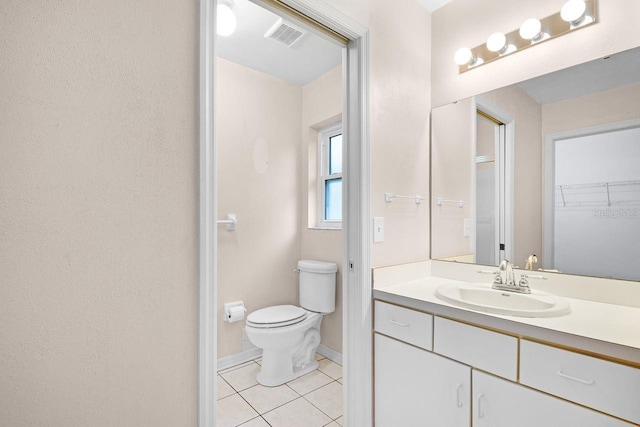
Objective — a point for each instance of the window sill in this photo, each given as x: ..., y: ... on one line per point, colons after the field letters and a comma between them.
x: 316, y: 227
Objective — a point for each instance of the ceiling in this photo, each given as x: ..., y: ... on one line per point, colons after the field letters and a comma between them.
x: 433, y: 5
x: 614, y: 71
x: 308, y: 59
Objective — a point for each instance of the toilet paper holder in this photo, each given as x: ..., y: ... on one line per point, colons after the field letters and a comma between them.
x: 234, y: 311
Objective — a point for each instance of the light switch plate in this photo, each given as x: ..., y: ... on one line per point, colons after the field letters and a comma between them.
x: 378, y: 229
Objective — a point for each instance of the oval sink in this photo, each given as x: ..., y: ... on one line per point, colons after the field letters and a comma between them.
x: 482, y: 297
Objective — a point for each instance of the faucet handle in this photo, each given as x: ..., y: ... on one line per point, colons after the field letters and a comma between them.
x: 523, y: 281
x: 498, y: 279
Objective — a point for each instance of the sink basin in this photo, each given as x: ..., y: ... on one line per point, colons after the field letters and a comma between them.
x: 482, y: 298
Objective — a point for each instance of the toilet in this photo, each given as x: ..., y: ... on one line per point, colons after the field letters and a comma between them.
x: 289, y: 335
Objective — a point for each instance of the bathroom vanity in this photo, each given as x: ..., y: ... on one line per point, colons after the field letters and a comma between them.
x: 439, y: 364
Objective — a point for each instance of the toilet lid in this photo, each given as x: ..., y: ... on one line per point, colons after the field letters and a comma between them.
x: 276, y: 316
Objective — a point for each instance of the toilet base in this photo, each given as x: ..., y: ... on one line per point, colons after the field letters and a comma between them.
x: 298, y: 372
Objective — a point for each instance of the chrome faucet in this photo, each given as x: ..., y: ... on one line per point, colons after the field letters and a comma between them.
x: 509, y: 283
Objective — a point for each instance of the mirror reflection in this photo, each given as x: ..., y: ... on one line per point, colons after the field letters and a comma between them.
x: 545, y: 173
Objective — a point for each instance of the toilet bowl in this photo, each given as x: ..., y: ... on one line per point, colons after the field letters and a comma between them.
x: 289, y: 335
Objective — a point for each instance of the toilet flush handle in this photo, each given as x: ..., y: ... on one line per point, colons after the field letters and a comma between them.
x: 296, y: 270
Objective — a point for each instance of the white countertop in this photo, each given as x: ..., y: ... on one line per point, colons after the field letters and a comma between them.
x: 606, y: 329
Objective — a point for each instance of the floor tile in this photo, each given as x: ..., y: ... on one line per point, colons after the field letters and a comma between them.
x: 328, y: 399
x: 318, y: 356
x: 233, y: 410
x: 330, y: 368
x: 340, y: 421
x: 256, y: 422
x: 309, y: 382
x: 340, y: 380
x: 264, y: 399
x: 331, y: 424
x: 298, y: 413
x: 224, y: 389
x: 259, y: 361
x: 242, y: 378
x: 233, y: 368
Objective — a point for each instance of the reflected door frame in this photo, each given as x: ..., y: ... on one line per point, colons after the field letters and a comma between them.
x: 548, y: 260
x: 505, y: 150
x: 357, y: 330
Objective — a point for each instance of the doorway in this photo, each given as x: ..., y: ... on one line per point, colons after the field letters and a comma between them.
x: 494, y: 177
x: 355, y: 259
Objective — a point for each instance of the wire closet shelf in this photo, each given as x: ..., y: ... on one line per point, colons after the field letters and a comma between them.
x: 619, y: 193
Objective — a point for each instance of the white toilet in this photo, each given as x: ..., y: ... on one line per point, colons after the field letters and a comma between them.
x: 289, y: 335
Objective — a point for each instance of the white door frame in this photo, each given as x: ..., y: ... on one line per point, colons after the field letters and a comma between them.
x: 549, y: 178
x: 357, y: 354
x: 505, y: 158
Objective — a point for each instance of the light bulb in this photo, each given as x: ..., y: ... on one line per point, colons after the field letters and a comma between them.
x: 463, y: 56
x: 497, y: 42
x: 573, y: 10
x: 531, y: 29
x: 226, y: 19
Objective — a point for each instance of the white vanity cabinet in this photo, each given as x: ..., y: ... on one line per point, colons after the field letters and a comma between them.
x: 498, y: 402
x: 472, y: 376
x: 413, y: 386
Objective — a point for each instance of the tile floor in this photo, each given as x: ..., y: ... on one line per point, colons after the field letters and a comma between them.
x: 312, y: 400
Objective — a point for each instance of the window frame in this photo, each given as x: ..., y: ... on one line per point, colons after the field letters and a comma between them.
x: 324, y: 138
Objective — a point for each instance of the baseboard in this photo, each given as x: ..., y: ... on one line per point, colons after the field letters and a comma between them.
x: 255, y: 352
x: 238, y: 358
x: 330, y: 354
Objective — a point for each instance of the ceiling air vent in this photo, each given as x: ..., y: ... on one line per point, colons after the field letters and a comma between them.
x: 284, y: 32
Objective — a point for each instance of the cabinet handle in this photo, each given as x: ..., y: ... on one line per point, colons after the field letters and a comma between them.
x: 480, y: 411
x: 576, y: 379
x: 458, y: 399
x: 393, y: 322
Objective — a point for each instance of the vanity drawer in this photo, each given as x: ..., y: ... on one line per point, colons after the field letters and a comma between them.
x: 411, y: 326
x: 605, y: 386
x: 486, y: 350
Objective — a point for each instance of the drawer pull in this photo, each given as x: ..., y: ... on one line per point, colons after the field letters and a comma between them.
x: 393, y: 322
x: 480, y: 411
x: 458, y: 398
x: 578, y: 380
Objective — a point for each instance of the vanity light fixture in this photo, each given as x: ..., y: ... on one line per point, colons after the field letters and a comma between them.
x: 464, y: 56
x: 225, y: 18
x: 531, y: 29
x: 574, y: 14
x: 497, y: 42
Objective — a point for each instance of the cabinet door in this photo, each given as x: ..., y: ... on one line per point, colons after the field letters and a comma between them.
x: 414, y: 387
x: 500, y: 403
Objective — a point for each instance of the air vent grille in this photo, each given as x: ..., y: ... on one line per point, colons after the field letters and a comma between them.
x: 285, y: 33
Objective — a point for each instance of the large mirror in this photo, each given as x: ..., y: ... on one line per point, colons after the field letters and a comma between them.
x: 545, y: 173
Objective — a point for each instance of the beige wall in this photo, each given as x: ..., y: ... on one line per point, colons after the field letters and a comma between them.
x: 99, y: 169
x: 609, y: 106
x: 321, y: 106
x: 399, y: 127
x: 469, y: 23
x: 453, y: 153
x: 527, y: 197
x: 258, y: 136
x: 98, y: 213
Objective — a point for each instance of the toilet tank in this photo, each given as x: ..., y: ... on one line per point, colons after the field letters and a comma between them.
x: 318, y: 285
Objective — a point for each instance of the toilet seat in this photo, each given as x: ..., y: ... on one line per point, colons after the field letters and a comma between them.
x: 276, y: 316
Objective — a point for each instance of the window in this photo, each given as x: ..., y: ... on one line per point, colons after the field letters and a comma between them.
x: 330, y: 176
